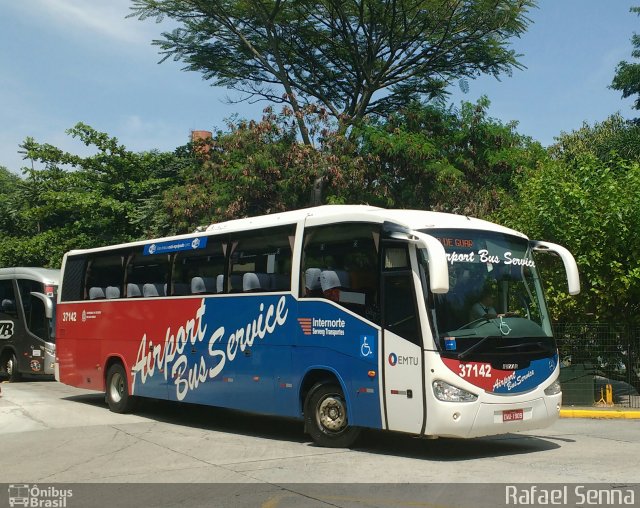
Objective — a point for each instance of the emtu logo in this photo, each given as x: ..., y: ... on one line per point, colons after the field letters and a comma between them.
x: 393, y: 359
x: 305, y: 324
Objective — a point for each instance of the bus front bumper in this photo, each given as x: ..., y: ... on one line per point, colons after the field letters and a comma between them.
x: 495, y: 418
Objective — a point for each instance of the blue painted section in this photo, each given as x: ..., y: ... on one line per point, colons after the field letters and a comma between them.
x: 348, y: 346
x: 252, y: 352
x: 523, y: 380
x: 175, y: 246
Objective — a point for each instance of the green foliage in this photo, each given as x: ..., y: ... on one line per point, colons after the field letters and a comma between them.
x: 79, y: 202
x: 593, y: 208
x: 255, y: 168
x: 353, y: 58
x: 627, y: 76
x: 432, y: 157
x: 614, y: 137
x: 8, y: 185
x: 586, y: 198
x: 423, y: 157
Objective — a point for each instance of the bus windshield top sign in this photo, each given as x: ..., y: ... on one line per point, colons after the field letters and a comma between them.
x: 175, y: 246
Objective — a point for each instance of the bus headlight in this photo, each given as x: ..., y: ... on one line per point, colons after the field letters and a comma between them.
x: 449, y: 393
x: 553, y: 389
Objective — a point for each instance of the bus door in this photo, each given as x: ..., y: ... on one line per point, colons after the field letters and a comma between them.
x: 402, y: 356
x: 36, y: 327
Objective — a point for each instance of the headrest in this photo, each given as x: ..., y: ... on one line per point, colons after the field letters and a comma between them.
x: 112, y: 292
x: 329, y: 279
x: 150, y: 290
x: 197, y: 286
x: 312, y: 278
x: 133, y: 290
x: 253, y: 281
x: 96, y: 293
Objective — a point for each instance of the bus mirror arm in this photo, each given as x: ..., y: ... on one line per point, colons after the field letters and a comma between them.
x: 48, y: 304
x: 570, y: 265
x: 438, y: 266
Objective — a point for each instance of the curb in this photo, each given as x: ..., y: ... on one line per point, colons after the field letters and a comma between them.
x: 601, y: 413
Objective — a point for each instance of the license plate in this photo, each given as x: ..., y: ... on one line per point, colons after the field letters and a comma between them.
x: 512, y: 415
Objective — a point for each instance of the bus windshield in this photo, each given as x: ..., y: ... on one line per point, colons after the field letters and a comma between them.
x: 494, y: 292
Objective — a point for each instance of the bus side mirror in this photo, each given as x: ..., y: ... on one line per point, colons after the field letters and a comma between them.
x: 48, y: 304
x: 570, y: 265
x: 438, y: 265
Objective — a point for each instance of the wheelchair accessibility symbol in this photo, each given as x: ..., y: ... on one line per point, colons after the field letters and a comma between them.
x: 367, y: 346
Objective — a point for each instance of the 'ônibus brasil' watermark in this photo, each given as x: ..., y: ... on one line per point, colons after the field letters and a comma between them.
x: 32, y: 496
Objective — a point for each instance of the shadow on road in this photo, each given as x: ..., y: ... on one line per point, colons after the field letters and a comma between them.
x: 370, y: 441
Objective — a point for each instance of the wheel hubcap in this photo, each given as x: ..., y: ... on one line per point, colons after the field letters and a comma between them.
x: 117, y: 388
x: 332, y: 415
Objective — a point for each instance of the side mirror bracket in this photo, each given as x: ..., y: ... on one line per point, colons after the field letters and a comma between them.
x: 570, y: 265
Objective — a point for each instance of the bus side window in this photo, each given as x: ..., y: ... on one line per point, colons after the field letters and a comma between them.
x: 200, y: 271
x: 149, y: 272
x: 7, y: 299
x: 340, y: 262
x: 260, y: 261
x: 105, y: 270
x: 74, y: 276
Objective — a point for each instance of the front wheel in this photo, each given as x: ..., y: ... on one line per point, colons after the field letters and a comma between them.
x: 11, y: 367
x: 117, y: 394
x: 326, y: 418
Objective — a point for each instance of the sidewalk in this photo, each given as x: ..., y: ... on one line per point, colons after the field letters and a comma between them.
x: 600, y: 412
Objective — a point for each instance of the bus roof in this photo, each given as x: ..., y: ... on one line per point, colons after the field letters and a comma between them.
x: 411, y: 219
x: 45, y: 275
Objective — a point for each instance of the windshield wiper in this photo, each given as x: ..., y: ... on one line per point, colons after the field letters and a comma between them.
x: 545, y: 348
x: 469, y: 350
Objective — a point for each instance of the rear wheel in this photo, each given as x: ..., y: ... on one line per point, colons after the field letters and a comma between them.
x: 117, y: 394
x: 326, y: 418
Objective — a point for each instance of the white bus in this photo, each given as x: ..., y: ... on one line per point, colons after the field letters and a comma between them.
x: 343, y: 316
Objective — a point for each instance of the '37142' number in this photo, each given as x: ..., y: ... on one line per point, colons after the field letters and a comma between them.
x: 475, y: 370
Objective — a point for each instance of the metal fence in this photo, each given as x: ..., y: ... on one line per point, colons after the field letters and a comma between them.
x: 599, y: 364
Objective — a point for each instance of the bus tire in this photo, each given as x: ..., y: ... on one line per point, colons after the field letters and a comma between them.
x: 117, y: 393
x: 11, y: 367
x: 326, y: 419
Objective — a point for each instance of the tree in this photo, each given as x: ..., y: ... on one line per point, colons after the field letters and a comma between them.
x: 591, y: 207
x: 627, y: 77
x: 614, y: 137
x: 253, y: 168
x: 353, y: 57
x: 425, y: 156
x: 8, y: 185
x: 440, y: 158
x: 80, y: 202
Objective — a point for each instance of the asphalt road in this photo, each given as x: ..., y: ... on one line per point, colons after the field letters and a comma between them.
x: 51, y: 433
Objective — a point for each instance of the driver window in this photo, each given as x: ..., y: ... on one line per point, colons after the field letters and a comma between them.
x: 400, y: 312
x: 33, y: 308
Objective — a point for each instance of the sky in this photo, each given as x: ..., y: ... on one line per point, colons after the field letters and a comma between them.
x: 69, y: 61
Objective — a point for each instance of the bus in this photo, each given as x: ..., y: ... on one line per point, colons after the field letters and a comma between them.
x: 343, y: 316
x: 27, y: 321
